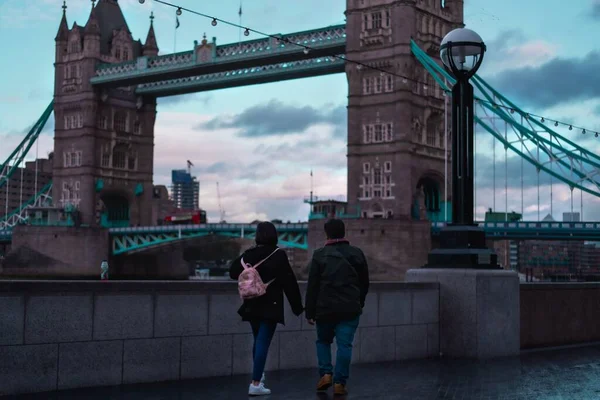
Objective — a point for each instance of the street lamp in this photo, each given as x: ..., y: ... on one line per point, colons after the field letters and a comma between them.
x: 462, y: 243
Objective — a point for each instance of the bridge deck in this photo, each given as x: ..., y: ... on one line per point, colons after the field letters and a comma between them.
x: 556, y: 374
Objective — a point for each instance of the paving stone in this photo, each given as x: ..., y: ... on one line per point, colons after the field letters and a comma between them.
x: 558, y: 374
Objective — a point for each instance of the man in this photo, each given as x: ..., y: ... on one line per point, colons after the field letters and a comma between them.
x: 338, y: 283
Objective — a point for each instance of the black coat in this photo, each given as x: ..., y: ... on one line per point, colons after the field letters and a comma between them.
x: 332, y: 294
x: 270, y: 306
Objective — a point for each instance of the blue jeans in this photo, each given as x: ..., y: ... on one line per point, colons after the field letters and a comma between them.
x: 263, y: 332
x: 343, y: 331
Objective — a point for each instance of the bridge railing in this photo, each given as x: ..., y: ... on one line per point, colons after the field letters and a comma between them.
x: 208, y: 227
x: 536, y: 225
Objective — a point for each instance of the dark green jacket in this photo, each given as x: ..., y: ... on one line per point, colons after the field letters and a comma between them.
x: 338, y: 282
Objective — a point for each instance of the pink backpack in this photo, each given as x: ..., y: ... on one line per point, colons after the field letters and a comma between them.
x: 250, y: 284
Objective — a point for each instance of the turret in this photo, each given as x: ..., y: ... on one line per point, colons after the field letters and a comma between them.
x: 150, y: 46
x: 91, y: 36
x: 62, y: 36
x: 456, y: 7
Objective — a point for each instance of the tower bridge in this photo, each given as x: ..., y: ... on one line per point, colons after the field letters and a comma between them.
x: 106, y: 85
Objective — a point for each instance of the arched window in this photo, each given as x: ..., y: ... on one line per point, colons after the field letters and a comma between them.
x: 432, y: 194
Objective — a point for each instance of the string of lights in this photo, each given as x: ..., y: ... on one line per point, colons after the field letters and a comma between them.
x: 405, y: 79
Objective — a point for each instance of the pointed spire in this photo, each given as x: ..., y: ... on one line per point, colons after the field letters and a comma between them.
x: 151, y: 45
x: 63, y: 29
x: 93, y: 26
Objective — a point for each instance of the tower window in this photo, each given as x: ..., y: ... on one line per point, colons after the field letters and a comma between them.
x: 102, y: 121
x: 74, y: 47
x: 125, y: 54
x: 389, y: 132
x: 378, y: 133
x: 105, y: 159
x: 388, y: 18
x: 119, y: 157
x: 376, y: 20
x: 377, y: 176
x: 388, y: 166
x: 118, y: 52
x: 378, y: 85
x: 137, y: 127
x: 368, y: 133
x: 366, y: 167
x: 389, y: 83
x: 120, y: 121
x: 367, y: 85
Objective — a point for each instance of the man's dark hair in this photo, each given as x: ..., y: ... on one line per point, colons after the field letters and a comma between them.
x: 266, y: 234
x: 335, y: 229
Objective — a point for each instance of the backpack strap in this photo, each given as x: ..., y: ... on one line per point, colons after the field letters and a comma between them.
x: 265, y: 259
x: 247, y: 265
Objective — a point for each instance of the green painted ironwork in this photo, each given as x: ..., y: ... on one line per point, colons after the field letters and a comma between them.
x: 21, y: 214
x: 327, y: 38
x: 128, y: 240
x: 577, y: 166
x: 240, y: 77
x: 8, y: 168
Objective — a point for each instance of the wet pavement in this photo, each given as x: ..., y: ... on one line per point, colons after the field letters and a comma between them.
x: 558, y: 374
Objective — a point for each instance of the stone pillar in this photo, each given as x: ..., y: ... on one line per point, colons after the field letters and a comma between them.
x: 479, y: 311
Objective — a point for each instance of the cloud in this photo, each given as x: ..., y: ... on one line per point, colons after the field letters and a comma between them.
x: 511, y: 49
x: 276, y: 118
x: 259, y: 177
x: 595, y: 9
x: 203, y: 99
x: 558, y: 81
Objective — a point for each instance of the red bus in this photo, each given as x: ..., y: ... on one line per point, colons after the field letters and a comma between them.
x: 186, y: 217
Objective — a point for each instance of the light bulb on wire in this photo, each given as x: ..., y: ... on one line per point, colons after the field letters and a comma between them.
x: 179, y: 12
x: 214, y: 22
x: 142, y: 1
x: 247, y: 32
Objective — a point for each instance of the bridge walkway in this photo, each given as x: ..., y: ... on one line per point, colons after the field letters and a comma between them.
x: 572, y: 373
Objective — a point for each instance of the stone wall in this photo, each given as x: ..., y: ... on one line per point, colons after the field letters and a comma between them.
x: 555, y: 314
x: 67, y: 334
x: 65, y: 252
x: 392, y: 246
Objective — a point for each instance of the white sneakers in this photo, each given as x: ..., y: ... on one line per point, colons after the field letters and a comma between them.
x: 259, y: 390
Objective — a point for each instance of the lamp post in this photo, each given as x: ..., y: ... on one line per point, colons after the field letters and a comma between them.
x: 462, y: 243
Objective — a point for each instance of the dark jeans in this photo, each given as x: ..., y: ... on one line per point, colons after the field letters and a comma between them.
x: 263, y: 332
x: 343, y: 331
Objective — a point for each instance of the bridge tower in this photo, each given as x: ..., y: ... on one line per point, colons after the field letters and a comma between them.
x: 103, y: 141
x: 396, y: 126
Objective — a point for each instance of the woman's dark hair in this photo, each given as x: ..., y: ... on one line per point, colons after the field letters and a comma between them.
x: 335, y: 229
x: 266, y: 234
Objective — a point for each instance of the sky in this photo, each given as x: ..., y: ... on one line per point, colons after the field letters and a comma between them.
x: 261, y: 142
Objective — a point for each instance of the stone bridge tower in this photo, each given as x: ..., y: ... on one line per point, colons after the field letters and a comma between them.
x: 104, y: 139
x: 395, y: 125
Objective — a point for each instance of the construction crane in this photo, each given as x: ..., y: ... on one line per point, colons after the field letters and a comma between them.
x: 221, y: 210
x: 189, y: 166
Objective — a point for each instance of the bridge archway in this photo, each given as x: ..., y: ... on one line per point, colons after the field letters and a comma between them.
x: 428, y: 198
x: 115, y: 212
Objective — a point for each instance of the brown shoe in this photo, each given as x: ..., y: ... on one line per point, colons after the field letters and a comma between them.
x: 324, y: 382
x: 339, y: 389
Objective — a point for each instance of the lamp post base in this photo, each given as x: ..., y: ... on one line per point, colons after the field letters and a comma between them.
x: 462, y: 246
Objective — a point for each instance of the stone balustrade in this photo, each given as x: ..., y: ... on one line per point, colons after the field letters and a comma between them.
x: 70, y: 334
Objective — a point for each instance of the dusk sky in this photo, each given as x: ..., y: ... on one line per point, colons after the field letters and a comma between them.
x: 260, y: 142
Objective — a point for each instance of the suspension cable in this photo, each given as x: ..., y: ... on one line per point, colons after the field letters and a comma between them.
x: 505, y: 173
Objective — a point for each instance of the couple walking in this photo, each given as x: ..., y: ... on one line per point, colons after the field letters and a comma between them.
x: 336, y: 290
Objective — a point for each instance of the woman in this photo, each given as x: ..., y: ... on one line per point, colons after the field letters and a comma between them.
x: 265, y: 312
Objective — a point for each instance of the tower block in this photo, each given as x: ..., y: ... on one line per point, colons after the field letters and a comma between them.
x: 104, y: 139
x: 396, y: 131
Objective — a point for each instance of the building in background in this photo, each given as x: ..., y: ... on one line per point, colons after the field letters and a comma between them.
x: 23, y: 185
x: 571, y: 217
x: 185, y: 190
